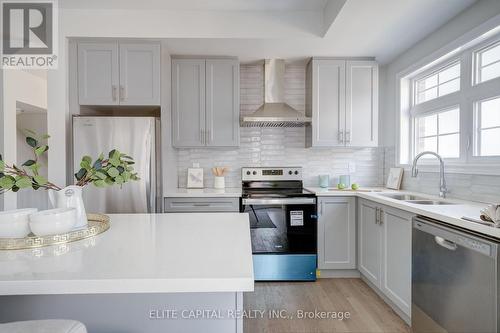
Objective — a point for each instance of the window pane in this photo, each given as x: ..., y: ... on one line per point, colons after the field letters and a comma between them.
x: 427, y: 95
x: 428, y: 82
x: 427, y: 144
x: 427, y: 126
x: 449, y: 87
x: 490, y: 72
x: 491, y: 55
x: 490, y: 139
x: 449, y: 73
x: 449, y: 122
x: 490, y: 113
x: 449, y: 146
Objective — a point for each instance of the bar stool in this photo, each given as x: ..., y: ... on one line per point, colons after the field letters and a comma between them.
x: 43, y: 326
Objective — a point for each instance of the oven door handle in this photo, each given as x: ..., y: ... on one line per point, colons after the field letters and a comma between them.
x: 281, y: 201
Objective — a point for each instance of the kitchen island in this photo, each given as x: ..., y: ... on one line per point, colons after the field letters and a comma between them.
x: 148, y: 273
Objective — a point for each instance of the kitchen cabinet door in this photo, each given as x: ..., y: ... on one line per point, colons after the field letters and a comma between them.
x: 139, y: 74
x: 98, y: 73
x: 396, y: 256
x: 369, y: 242
x: 188, y: 102
x: 361, y: 104
x: 328, y: 103
x: 337, y: 233
x: 222, y: 103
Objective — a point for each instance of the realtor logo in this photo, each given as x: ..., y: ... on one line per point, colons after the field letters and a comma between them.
x: 28, y: 34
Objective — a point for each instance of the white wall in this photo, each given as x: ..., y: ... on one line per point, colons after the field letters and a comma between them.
x: 36, y: 122
x: 18, y: 86
x: 456, y: 27
x: 465, y: 186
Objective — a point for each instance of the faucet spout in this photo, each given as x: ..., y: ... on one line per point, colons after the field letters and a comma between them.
x: 442, y: 181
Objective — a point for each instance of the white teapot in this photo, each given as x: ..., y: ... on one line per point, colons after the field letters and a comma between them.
x: 70, y: 197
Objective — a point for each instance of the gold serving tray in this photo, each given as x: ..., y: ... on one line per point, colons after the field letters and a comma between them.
x: 98, y: 223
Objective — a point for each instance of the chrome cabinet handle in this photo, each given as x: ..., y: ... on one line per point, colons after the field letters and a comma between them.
x: 380, y: 216
x: 348, y: 136
x: 113, y: 92
x: 341, y: 136
x: 445, y: 243
x: 201, y: 204
x: 376, y: 215
x: 122, y: 93
x: 207, y: 141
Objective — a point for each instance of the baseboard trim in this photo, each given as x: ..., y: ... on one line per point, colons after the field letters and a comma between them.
x: 393, y: 306
x: 338, y: 273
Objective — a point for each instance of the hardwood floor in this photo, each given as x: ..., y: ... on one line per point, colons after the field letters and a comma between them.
x: 368, y: 312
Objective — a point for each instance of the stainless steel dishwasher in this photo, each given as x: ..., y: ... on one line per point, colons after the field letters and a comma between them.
x: 455, y: 280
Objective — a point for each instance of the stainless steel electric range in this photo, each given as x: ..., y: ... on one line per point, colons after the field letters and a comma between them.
x: 283, y: 222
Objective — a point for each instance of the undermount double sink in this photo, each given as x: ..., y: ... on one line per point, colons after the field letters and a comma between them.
x: 415, y: 199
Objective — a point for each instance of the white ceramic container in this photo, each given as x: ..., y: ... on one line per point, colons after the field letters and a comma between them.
x: 15, y: 223
x: 219, y: 182
x: 70, y: 197
x: 53, y: 221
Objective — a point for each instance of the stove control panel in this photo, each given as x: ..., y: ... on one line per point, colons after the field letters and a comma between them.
x: 271, y: 173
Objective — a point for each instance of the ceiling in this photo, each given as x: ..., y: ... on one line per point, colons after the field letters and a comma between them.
x: 256, y: 29
x: 208, y: 5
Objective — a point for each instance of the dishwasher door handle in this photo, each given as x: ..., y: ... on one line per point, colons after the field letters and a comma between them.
x: 445, y: 243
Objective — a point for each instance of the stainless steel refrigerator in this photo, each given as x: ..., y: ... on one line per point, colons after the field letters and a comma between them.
x: 137, y: 137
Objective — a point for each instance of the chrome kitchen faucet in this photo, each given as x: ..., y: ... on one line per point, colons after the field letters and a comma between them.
x: 442, y: 182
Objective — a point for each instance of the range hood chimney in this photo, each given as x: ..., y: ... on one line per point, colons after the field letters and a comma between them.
x: 275, y: 112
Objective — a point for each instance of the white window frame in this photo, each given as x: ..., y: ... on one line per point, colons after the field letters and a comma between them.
x: 430, y: 113
x: 463, y: 49
x: 429, y: 73
x: 477, y: 60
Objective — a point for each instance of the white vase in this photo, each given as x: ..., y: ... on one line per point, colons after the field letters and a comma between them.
x: 70, y: 197
x: 219, y: 182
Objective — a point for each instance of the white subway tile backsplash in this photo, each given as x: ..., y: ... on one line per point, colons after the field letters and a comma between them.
x: 281, y: 146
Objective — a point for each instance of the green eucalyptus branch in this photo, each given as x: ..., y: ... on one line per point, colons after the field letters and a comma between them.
x: 116, y: 169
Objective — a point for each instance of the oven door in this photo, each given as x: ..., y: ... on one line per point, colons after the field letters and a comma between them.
x: 282, y: 225
x: 284, y: 238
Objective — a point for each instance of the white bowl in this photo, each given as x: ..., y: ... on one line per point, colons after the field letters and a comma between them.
x: 15, y: 223
x: 53, y: 221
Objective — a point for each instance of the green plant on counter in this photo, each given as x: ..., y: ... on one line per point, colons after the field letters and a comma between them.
x: 117, y: 169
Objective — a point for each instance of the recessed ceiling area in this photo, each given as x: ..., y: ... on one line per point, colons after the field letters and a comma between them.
x: 208, y: 5
x: 382, y: 29
x: 256, y: 29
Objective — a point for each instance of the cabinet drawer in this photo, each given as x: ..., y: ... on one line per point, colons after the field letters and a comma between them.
x: 193, y: 205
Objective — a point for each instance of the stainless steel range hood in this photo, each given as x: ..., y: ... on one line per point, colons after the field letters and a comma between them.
x: 275, y: 112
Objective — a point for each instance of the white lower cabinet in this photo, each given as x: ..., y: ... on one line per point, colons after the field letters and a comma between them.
x: 337, y: 233
x: 384, y: 247
x: 396, y: 256
x: 369, y: 242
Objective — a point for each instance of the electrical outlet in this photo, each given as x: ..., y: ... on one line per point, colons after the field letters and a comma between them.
x: 352, y: 167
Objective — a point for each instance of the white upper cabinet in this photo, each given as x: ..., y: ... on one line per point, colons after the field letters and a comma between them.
x: 205, y: 102
x: 98, y: 73
x: 337, y: 233
x: 328, y: 102
x: 222, y: 102
x: 342, y: 99
x: 114, y: 73
x: 188, y: 102
x: 361, y: 129
x: 139, y: 74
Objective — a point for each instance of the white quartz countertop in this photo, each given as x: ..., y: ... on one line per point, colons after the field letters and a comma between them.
x: 142, y: 253
x: 230, y: 192
x: 451, y: 214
